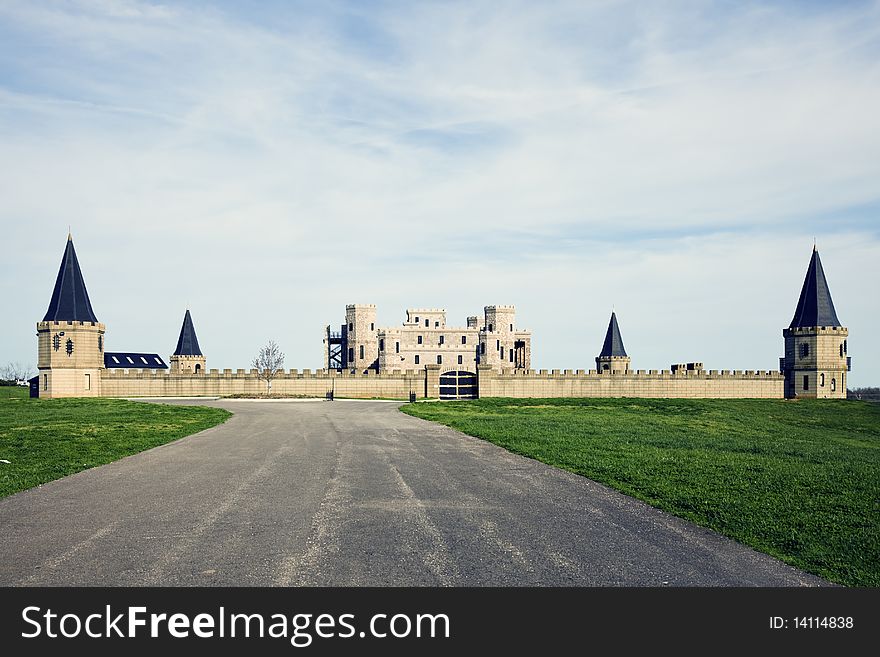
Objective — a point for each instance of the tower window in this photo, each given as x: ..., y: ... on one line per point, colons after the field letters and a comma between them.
x: 439, y: 360
x: 841, y: 350
x: 833, y: 385
x: 417, y: 320
x: 45, y: 382
x: 491, y: 327
x: 372, y: 326
x: 497, y: 345
x: 436, y: 324
x: 464, y: 339
x: 417, y: 359
x: 427, y: 323
x: 100, y: 343
x: 805, y: 349
x: 362, y: 351
x: 420, y: 339
x: 806, y: 382
x: 511, y: 355
x: 382, y: 344
x: 350, y: 354
x: 482, y: 347
x: 56, y: 342
x: 441, y: 339
x: 459, y: 360
x: 69, y: 346
x: 511, y: 327
x: 844, y: 346
x: 396, y: 347
x: 502, y: 353
x: 822, y: 380
x: 350, y: 326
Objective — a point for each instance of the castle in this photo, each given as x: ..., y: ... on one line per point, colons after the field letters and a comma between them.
x: 425, y: 358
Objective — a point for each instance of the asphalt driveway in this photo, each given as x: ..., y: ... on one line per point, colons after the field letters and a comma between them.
x: 353, y: 493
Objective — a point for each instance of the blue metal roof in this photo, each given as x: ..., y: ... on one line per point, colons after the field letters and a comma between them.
x: 613, y: 342
x: 131, y: 360
x: 70, y: 300
x: 815, y: 307
x: 187, y: 343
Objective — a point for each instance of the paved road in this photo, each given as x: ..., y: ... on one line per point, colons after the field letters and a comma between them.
x: 352, y: 493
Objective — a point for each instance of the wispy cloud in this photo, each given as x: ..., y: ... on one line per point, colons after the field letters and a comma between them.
x: 270, y: 165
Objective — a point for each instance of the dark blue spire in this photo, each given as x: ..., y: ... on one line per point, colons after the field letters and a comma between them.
x: 815, y: 307
x: 70, y: 300
x: 613, y: 342
x: 187, y: 343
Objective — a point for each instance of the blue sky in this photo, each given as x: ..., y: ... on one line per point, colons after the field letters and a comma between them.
x: 266, y: 163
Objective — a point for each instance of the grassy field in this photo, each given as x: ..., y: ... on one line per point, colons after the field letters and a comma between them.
x: 45, y: 439
x: 797, y: 480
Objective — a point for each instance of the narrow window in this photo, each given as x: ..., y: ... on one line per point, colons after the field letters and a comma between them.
x: 497, y: 345
x: 198, y: 368
x: 382, y: 344
x: 436, y: 324
x: 806, y: 382
x: 396, y: 347
x: 459, y: 360
x: 441, y: 339
x: 362, y: 351
x: 350, y: 326
x: 372, y: 326
x: 844, y: 346
x: 490, y: 328
x: 45, y: 382
x: 482, y: 347
x: 417, y: 359
x: 439, y: 360
x: 502, y: 353
x: 822, y: 380
x: 88, y: 381
x: 420, y: 339
x: 841, y: 350
x: 511, y: 327
x: 833, y: 385
x: 417, y: 320
x: 427, y: 323
x: 511, y: 355
x: 350, y: 354
x: 805, y: 350
x: 464, y: 339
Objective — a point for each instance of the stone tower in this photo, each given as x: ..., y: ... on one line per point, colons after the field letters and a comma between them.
x: 362, y: 337
x: 70, y: 338
x: 188, y: 357
x: 613, y: 356
x: 815, y: 362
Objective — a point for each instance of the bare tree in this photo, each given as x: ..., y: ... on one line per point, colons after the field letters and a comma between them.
x: 16, y: 371
x: 269, y: 363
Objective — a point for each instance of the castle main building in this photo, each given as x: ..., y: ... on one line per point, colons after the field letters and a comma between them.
x: 424, y: 338
x: 489, y: 357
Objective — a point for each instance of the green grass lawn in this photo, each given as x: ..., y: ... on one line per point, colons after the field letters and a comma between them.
x: 797, y: 480
x: 45, y: 439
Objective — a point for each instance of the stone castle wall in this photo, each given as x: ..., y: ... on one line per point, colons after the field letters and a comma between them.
x: 425, y: 383
x: 635, y: 383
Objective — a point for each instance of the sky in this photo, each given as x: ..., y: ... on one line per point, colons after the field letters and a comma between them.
x: 266, y: 163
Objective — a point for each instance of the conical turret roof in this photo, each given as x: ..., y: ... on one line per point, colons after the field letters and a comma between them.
x: 815, y: 307
x: 187, y: 343
x: 613, y: 342
x: 70, y: 300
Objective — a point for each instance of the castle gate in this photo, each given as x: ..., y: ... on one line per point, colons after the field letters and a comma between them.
x: 458, y: 385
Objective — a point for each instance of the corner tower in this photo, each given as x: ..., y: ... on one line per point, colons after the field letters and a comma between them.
x: 816, y: 361
x: 188, y: 357
x: 70, y: 338
x: 613, y: 356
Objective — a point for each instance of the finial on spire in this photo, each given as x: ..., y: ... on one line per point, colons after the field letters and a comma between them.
x: 69, y: 234
x: 814, y: 243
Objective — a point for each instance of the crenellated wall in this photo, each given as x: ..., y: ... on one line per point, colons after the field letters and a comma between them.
x: 425, y: 383
x: 634, y: 383
x: 160, y: 383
